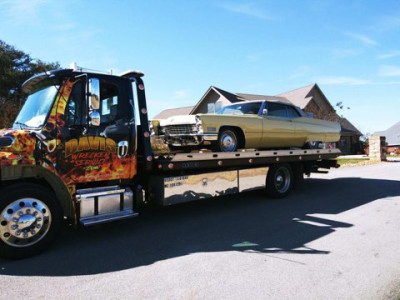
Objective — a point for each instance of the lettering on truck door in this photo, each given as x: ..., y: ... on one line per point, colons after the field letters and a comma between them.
x: 103, y: 152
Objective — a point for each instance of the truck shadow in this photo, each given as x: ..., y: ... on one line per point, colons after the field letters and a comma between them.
x: 246, y: 222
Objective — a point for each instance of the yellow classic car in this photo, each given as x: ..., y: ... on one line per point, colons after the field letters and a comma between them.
x: 252, y: 124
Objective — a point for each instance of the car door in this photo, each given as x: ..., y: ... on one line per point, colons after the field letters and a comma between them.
x: 98, y: 152
x: 278, y: 128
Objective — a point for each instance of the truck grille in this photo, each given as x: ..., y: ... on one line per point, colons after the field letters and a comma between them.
x: 179, y: 129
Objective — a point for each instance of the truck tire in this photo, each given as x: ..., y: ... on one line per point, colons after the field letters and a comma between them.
x: 30, y: 217
x: 279, y: 180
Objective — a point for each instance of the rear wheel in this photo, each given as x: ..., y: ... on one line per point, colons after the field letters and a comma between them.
x: 279, y: 180
x: 29, y: 219
x: 228, y: 140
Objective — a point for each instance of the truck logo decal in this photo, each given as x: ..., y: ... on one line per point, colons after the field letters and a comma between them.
x: 84, y: 143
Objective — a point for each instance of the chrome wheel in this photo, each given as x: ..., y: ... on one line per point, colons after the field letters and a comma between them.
x: 228, y: 141
x: 24, y: 222
x: 282, y: 180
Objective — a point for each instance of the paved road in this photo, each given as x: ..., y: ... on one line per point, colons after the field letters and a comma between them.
x: 337, y: 237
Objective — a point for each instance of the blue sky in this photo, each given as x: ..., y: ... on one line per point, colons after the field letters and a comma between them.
x: 351, y: 49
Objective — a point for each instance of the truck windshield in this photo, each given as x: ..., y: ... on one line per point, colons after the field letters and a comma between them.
x: 241, y: 109
x: 36, y: 108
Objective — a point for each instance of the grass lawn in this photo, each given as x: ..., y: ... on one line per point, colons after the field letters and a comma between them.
x: 350, y: 162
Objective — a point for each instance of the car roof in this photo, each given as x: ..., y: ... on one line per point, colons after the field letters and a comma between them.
x: 269, y: 100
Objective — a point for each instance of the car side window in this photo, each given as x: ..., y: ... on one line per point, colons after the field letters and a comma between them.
x: 75, y: 112
x: 276, y: 110
x: 292, y: 112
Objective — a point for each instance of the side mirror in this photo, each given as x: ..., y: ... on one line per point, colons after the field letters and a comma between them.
x: 94, y: 93
x: 265, y: 112
x: 94, y: 118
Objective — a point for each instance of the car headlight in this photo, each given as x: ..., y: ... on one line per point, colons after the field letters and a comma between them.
x: 199, y: 125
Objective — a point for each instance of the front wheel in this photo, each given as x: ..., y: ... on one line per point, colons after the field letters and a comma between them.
x: 30, y: 217
x: 227, y: 141
x: 279, y: 180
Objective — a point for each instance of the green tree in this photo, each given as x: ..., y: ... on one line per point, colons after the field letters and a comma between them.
x: 16, y: 67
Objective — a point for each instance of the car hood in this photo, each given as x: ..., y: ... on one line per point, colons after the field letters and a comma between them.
x: 179, y: 120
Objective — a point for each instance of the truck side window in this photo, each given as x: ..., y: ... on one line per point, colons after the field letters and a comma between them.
x: 75, y: 113
x: 109, y: 95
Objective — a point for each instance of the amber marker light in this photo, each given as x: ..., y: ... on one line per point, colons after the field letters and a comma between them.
x: 141, y: 87
x: 146, y: 134
x: 149, y: 158
x: 220, y: 163
x: 144, y: 111
x: 170, y: 166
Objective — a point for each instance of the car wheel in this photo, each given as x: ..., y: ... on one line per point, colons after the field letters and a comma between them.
x: 30, y: 217
x: 279, y: 180
x: 227, y: 141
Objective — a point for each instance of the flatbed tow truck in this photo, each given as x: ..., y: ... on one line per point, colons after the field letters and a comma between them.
x: 77, y: 152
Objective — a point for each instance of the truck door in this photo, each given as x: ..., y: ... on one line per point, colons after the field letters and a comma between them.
x: 99, y: 143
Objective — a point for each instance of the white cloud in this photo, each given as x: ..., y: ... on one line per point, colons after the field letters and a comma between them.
x: 341, y: 80
x: 247, y: 9
x: 343, y: 53
x: 21, y: 11
x: 366, y: 40
x: 389, y: 71
x: 389, y: 55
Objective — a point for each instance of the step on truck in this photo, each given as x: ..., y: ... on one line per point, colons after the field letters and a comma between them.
x: 80, y: 151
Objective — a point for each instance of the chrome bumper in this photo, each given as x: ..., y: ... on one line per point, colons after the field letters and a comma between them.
x: 189, y: 139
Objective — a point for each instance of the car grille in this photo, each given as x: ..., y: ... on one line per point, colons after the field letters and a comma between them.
x: 179, y: 129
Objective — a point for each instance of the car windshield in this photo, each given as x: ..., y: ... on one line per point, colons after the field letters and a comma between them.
x: 241, y: 109
x: 36, y: 107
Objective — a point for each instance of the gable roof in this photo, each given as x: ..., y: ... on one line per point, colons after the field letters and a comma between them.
x: 348, y: 127
x: 392, y: 134
x: 229, y: 96
x: 301, y: 96
x: 170, y: 112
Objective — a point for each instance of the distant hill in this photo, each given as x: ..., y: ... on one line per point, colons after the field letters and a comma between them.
x: 392, y: 134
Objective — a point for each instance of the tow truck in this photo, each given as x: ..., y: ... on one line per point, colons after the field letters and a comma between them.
x: 80, y: 151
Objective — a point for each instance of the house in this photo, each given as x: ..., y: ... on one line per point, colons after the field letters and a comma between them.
x: 392, y: 135
x: 309, y: 98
